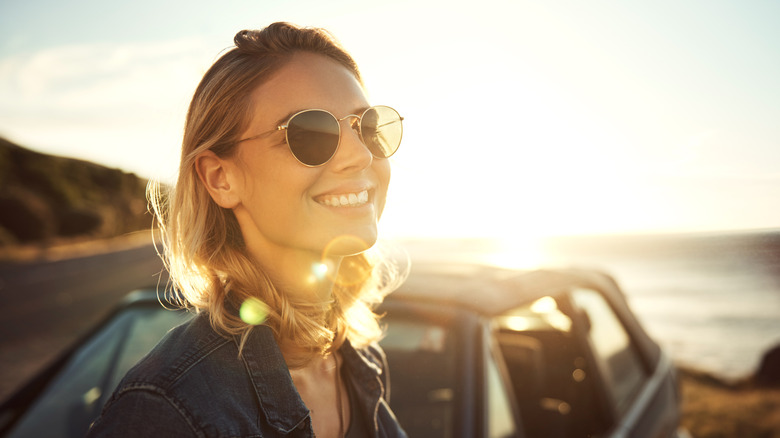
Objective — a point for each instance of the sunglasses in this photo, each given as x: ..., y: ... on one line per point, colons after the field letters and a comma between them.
x: 313, y: 135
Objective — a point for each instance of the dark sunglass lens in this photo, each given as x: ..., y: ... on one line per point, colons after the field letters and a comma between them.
x: 313, y: 137
x: 381, y: 129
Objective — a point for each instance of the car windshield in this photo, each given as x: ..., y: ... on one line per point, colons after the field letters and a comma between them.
x: 76, y: 395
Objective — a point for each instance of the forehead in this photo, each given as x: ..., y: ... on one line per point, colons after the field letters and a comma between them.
x: 307, y: 81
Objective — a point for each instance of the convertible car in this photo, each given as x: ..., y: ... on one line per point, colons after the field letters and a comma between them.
x: 474, y: 351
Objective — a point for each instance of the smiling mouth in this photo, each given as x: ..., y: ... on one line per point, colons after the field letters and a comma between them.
x: 345, y: 199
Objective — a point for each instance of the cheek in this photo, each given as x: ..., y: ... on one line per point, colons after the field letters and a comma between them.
x: 271, y: 192
x: 273, y: 174
x: 382, y: 169
x: 282, y: 191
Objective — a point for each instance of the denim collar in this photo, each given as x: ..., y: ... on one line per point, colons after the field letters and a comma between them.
x: 279, y: 400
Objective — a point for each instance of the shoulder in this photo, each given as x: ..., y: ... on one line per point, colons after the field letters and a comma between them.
x: 146, y: 411
x: 190, y: 371
x: 184, y: 350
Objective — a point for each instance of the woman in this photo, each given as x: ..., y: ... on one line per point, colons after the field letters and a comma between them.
x: 283, y: 177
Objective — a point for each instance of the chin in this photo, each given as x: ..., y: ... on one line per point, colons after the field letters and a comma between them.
x: 349, y: 244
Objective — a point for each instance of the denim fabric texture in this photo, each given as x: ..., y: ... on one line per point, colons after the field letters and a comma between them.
x: 194, y: 384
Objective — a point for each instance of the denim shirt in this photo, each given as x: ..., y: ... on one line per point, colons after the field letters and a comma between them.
x: 194, y: 384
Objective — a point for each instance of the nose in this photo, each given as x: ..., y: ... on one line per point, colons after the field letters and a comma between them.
x: 351, y: 154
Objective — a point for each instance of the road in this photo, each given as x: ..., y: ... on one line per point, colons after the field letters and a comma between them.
x: 47, y: 305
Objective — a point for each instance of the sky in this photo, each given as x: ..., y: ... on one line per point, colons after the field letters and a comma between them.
x: 522, y: 118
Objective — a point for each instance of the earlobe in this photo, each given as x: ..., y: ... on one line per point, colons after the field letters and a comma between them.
x: 216, y: 175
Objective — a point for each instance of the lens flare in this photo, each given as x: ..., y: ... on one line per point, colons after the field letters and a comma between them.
x: 253, y: 311
x: 320, y: 270
x: 345, y: 245
x: 352, y: 270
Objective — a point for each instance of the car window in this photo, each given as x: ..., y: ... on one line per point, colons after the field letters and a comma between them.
x: 618, y: 359
x: 549, y: 371
x: 422, y: 363
x: 500, y: 417
x: 76, y: 395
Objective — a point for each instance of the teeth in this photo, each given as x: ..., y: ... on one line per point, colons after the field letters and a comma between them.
x: 346, y: 200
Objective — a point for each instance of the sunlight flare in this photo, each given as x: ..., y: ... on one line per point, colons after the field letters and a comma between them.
x: 253, y: 311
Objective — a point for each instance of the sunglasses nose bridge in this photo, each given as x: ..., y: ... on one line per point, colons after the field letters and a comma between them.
x: 350, y: 116
x: 352, y: 125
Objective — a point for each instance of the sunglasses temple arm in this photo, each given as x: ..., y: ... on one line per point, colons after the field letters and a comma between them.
x: 390, y: 123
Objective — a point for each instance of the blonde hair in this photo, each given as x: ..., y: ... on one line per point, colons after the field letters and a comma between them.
x: 204, y: 251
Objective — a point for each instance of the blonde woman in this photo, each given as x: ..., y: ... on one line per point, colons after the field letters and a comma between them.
x: 283, y: 178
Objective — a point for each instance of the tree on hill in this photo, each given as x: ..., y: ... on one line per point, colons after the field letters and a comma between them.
x: 43, y: 197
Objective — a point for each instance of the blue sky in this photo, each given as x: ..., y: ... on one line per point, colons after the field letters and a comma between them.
x: 522, y: 118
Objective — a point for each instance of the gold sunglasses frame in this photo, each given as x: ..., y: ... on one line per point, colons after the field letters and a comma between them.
x: 359, y: 130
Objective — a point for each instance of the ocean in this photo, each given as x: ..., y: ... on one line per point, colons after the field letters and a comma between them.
x: 711, y: 300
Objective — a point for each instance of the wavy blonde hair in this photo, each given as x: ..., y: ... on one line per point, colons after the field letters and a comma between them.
x: 203, y: 248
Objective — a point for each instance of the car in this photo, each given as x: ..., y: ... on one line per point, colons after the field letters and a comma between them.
x: 473, y: 351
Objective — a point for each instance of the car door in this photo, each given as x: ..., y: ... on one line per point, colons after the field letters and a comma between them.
x: 640, y: 391
x: 432, y: 354
x: 552, y: 375
x: 499, y: 409
x: 577, y: 370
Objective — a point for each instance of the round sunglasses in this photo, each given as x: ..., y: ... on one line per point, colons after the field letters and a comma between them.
x: 313, y: 135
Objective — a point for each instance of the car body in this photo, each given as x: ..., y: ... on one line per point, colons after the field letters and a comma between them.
x: 474, y: 351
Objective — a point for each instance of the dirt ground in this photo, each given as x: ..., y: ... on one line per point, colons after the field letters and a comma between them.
x: 717, y: 409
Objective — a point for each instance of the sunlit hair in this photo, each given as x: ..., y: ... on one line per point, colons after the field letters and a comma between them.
x: 204, y: 250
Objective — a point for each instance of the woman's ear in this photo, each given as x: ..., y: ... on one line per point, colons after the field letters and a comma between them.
x: 217, y: 175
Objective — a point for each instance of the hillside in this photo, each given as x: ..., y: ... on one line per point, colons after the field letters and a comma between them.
x: 45, y: 199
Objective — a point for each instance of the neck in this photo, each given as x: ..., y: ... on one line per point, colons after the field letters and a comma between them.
x: 305, y: 279
x: 318, y: 369
x: 301, y: 275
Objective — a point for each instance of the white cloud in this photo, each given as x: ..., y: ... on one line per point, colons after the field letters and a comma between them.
x: 120, y: 105
x: 99, y: 75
